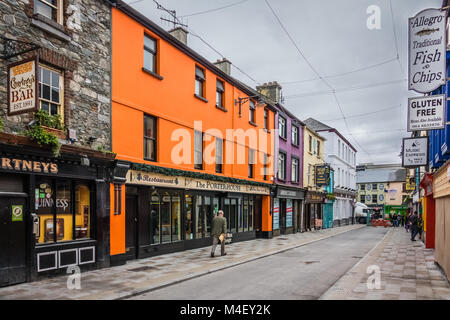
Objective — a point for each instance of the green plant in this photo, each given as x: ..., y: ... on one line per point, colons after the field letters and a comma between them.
x: 1, y: 124
x: 43, y: 118
x: 37, y: 134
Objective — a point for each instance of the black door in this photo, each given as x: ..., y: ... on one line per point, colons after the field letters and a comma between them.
x: 131, y: 221
x: 12, y: 240
x: 258, y: 216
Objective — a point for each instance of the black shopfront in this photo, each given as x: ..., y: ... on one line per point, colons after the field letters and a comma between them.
x: 53, y: 212
x: 313, y: 212
x: 162, y: 220
x: 288, y: 206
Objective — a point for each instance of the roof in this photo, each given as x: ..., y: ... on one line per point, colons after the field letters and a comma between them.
x: 381, y: 175
x: 319, y: 126
x: 315, y: 133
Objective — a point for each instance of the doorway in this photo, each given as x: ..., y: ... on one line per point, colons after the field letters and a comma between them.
x: 12, y: 240
x: 131, y: 221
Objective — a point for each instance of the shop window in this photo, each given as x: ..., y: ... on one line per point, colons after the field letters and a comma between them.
x: 207, y: 216
x: 155, y: 219
x: 51, y: 9
x: 250, y: 214
x: 199, y: 82
x: 150, y: 54
x: 188, y: 219
x: 165, y: 212
x: 150, y: 138
x: 60, y: 218
x: 233, y: 214
x: 198, y: 217
x: 176, y: 218
x: 82, y: 212
x: 219, y: 94
x: 226, y: 212
x: 51, y: 91
x: 240, y: 216
x: 246, y: 211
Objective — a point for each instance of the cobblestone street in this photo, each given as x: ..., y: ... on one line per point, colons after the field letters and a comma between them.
x: 408, y: 272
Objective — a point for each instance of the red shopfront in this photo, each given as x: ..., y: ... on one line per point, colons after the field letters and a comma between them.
x: 430, y: 211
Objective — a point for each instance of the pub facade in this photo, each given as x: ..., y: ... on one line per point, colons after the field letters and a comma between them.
x: 55, y: 135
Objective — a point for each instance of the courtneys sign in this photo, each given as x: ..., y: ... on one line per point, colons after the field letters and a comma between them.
x: 28, y: 165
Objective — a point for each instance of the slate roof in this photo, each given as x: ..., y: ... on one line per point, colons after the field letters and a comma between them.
x: 381, y: 175
x: 316, y: 125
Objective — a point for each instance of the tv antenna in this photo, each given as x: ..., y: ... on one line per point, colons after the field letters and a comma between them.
x: 173, y: 13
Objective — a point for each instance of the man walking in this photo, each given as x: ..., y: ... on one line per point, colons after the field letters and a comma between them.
x: 219, y: 227
x: 394, y: 220
x: 414, y: 219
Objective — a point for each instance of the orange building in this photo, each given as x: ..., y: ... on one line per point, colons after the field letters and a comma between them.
x: 190, y: 140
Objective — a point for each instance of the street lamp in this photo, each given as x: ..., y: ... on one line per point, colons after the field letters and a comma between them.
x: 240, y: 101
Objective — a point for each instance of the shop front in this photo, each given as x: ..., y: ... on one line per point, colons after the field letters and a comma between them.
x: 328, y: 212
x: 287, y: 208
x: 173, y: 213
x: 313, y: 212
x: 429, y: 215
x: 52, y: 213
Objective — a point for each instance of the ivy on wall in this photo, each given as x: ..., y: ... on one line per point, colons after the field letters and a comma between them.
x: 197, y: 175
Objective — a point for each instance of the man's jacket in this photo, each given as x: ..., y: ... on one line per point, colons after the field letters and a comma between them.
x: 219, y: 226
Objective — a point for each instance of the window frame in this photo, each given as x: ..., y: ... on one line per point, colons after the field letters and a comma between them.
x: 252, y: 112
x: 154, y: 54
x: 266, y: 119
x: 221, y: 92
x: 198, y: 166
x: 282, y: 133
x: 297, y: 141
x: 284, y: 168
x: 202, y: 79
x: 251, y: 162
x: 155, y: 140
x: 60, y: 105
x: 297, y: 175
x: 219, y: 166
x: 59, y: 7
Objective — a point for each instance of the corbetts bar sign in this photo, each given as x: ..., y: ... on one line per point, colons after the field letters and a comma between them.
x: 22, y: 87
x: 427, y: 50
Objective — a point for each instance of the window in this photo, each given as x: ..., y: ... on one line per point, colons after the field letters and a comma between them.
x: 149, y: 138
x: 294, y: 170
x: 374, y: 186
x: 252, y: 111
x: 314, y: 146
x: 363, y: 187
x: 310, y: 144
x: 219, y: 155
x: 381, y: 186
x: 363, y: 198
x: 282, y: 127
x: 339, y: 147
x: 318, y: 148
x: 199, y: 82
x: 150, y: 62
x: 51, y: 91
x: 309, y: 174
x: 62, y: 217
x: 281, y: 166
x: 265, y: 164
x: 374, y: 198
x: 219, y: 94
x: 266, y: 119
x: 51, y: 9
x: 198, y: 150
x: 295, y: 136
x: 251, y: 161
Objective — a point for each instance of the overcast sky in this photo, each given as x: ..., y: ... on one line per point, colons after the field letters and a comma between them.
x: 333, y: 36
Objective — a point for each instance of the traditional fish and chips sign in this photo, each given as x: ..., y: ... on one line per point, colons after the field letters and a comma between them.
x: 22, y: 87
x: 427, y: 50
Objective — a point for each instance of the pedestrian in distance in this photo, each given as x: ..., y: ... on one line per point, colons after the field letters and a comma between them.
x: 219, y: 229
x: 399, y: 219
x: 414, y: 219
x: 407, y: 222
x: 420, y: 226
x: 394, y: 220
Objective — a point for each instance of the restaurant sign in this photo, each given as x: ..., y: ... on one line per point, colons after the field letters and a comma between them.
x: 160, y: 180
x: 22, y: 87
x: 426, y: 113
x: 427, y: 50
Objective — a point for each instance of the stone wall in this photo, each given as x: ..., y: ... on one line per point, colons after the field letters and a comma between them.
x: 81, y: 49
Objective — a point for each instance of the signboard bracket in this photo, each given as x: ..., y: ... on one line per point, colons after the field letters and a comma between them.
x: 13, y: 47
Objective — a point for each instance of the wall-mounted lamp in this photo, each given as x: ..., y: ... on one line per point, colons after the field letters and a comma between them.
x: 240, y: 101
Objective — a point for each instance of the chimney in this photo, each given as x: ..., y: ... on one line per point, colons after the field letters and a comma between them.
x: 272, y: 90
x: 224, y: 65
x: 180, y: 34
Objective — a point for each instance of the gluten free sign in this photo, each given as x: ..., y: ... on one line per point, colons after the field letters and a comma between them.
x: 426, y: 113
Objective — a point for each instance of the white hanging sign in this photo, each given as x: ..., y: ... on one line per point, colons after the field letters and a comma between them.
x: 415, y: 152
x: 426, y: 113
x: 427, y: 50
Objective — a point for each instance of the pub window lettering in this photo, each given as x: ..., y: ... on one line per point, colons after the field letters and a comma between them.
x: 51, y: 9
x: 51, y: 91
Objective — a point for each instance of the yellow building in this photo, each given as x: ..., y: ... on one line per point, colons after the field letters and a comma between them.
x: 313, y: 156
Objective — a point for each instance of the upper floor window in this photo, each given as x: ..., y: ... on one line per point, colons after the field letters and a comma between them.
x: 310, y: 144
x: 149, y: 138
x: 219, y: 155
x: 150, y: 54
x: 281, y: 166
x: 51, y: 9
x: 252, y: 110
x: 314, y: 146
x: 199, y: 82
x: 318, y: 148
x: 295, y: 170
x: 198, y: 150
x: 374, y: 198
x: 295, y: 135
x: 282, y: 127
x: 374, y: 186
x: 219, y: 94
x: 265, y: 165
x: 266, y: 119
x: 251, y: 161
x: 51, y: 91
x: 363, y: 187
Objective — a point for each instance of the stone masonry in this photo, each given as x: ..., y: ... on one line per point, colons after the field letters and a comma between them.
x: 80, y: 48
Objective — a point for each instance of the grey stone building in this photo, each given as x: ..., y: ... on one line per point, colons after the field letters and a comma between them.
x: 55, y: 133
